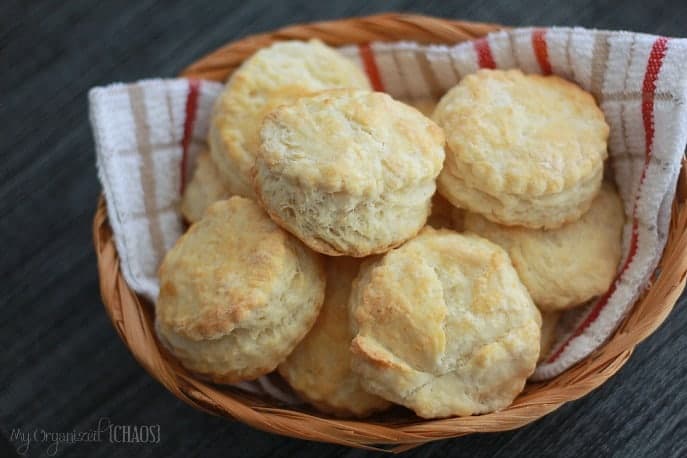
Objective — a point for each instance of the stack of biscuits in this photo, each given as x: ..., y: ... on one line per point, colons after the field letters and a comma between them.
x: 373, y: 255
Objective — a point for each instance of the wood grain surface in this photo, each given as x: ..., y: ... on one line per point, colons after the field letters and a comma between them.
x: 63, y: 366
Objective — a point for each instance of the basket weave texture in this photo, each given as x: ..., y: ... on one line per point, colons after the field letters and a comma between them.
x: 398, y: 430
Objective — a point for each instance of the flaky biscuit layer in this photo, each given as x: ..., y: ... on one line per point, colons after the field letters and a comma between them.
x: 273, y: 76
x: 319, y: 369
x: 206, y: 187
x: 444, y: 326
x: 237, y: 293
x: 348, y: 172
x: 517, y: 142
x: 567, y: 266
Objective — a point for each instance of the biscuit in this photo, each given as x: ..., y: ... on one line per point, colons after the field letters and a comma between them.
x: 275, y: 75
x: 522, y: 150
x: 206, y: 187
x: 237, y: 293
x: 348, y: 172
x: 319, y: 369
x: 549, y: 324
x: 567, y: 266
x: 444, y: 326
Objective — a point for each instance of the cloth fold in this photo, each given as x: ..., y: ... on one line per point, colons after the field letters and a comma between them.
x: 148, y: 133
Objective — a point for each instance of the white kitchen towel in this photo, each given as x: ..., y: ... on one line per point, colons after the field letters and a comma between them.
x: 147, y: 134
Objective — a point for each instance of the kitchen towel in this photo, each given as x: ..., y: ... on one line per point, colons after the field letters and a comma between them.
x: 148, y: 133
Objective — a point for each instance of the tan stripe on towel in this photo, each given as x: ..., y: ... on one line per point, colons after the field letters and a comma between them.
x: 401, y: 75
x: 623, y: 106
x: 599, y: 64
x: 635, y: 96
x: 428, y: 74
x: 514, y: 49
x: 170, y: 112
x: 568, y: 56
x: 147, y: 170
x: 197, y: 142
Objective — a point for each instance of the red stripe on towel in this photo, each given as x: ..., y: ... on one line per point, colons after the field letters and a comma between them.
x: 541, y: 50
x: 653, y: 68
x: 189, y: 120
x: 658, y: 53
x: 370, y: 64
x: 485, y: 59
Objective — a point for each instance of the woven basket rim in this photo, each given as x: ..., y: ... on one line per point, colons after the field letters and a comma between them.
x: 132, y: 316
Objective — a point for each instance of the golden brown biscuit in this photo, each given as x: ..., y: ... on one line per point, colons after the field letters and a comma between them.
x: 348, y: 172
x: 444, y: 326
x: 237, y: 293
x: 206, y: 187
x: 522, y: 150
x: 548, y: 211
x: 563, y: 267
x: 275, y: 75
x: 549, y: 324
x: 319, y: 369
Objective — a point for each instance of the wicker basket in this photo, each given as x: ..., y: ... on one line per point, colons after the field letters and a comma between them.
x: 133, y: 319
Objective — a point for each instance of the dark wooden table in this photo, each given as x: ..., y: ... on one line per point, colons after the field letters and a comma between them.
x: 64, y: 367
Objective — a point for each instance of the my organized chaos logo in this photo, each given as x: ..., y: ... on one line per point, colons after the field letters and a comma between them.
x: 105, y: 431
